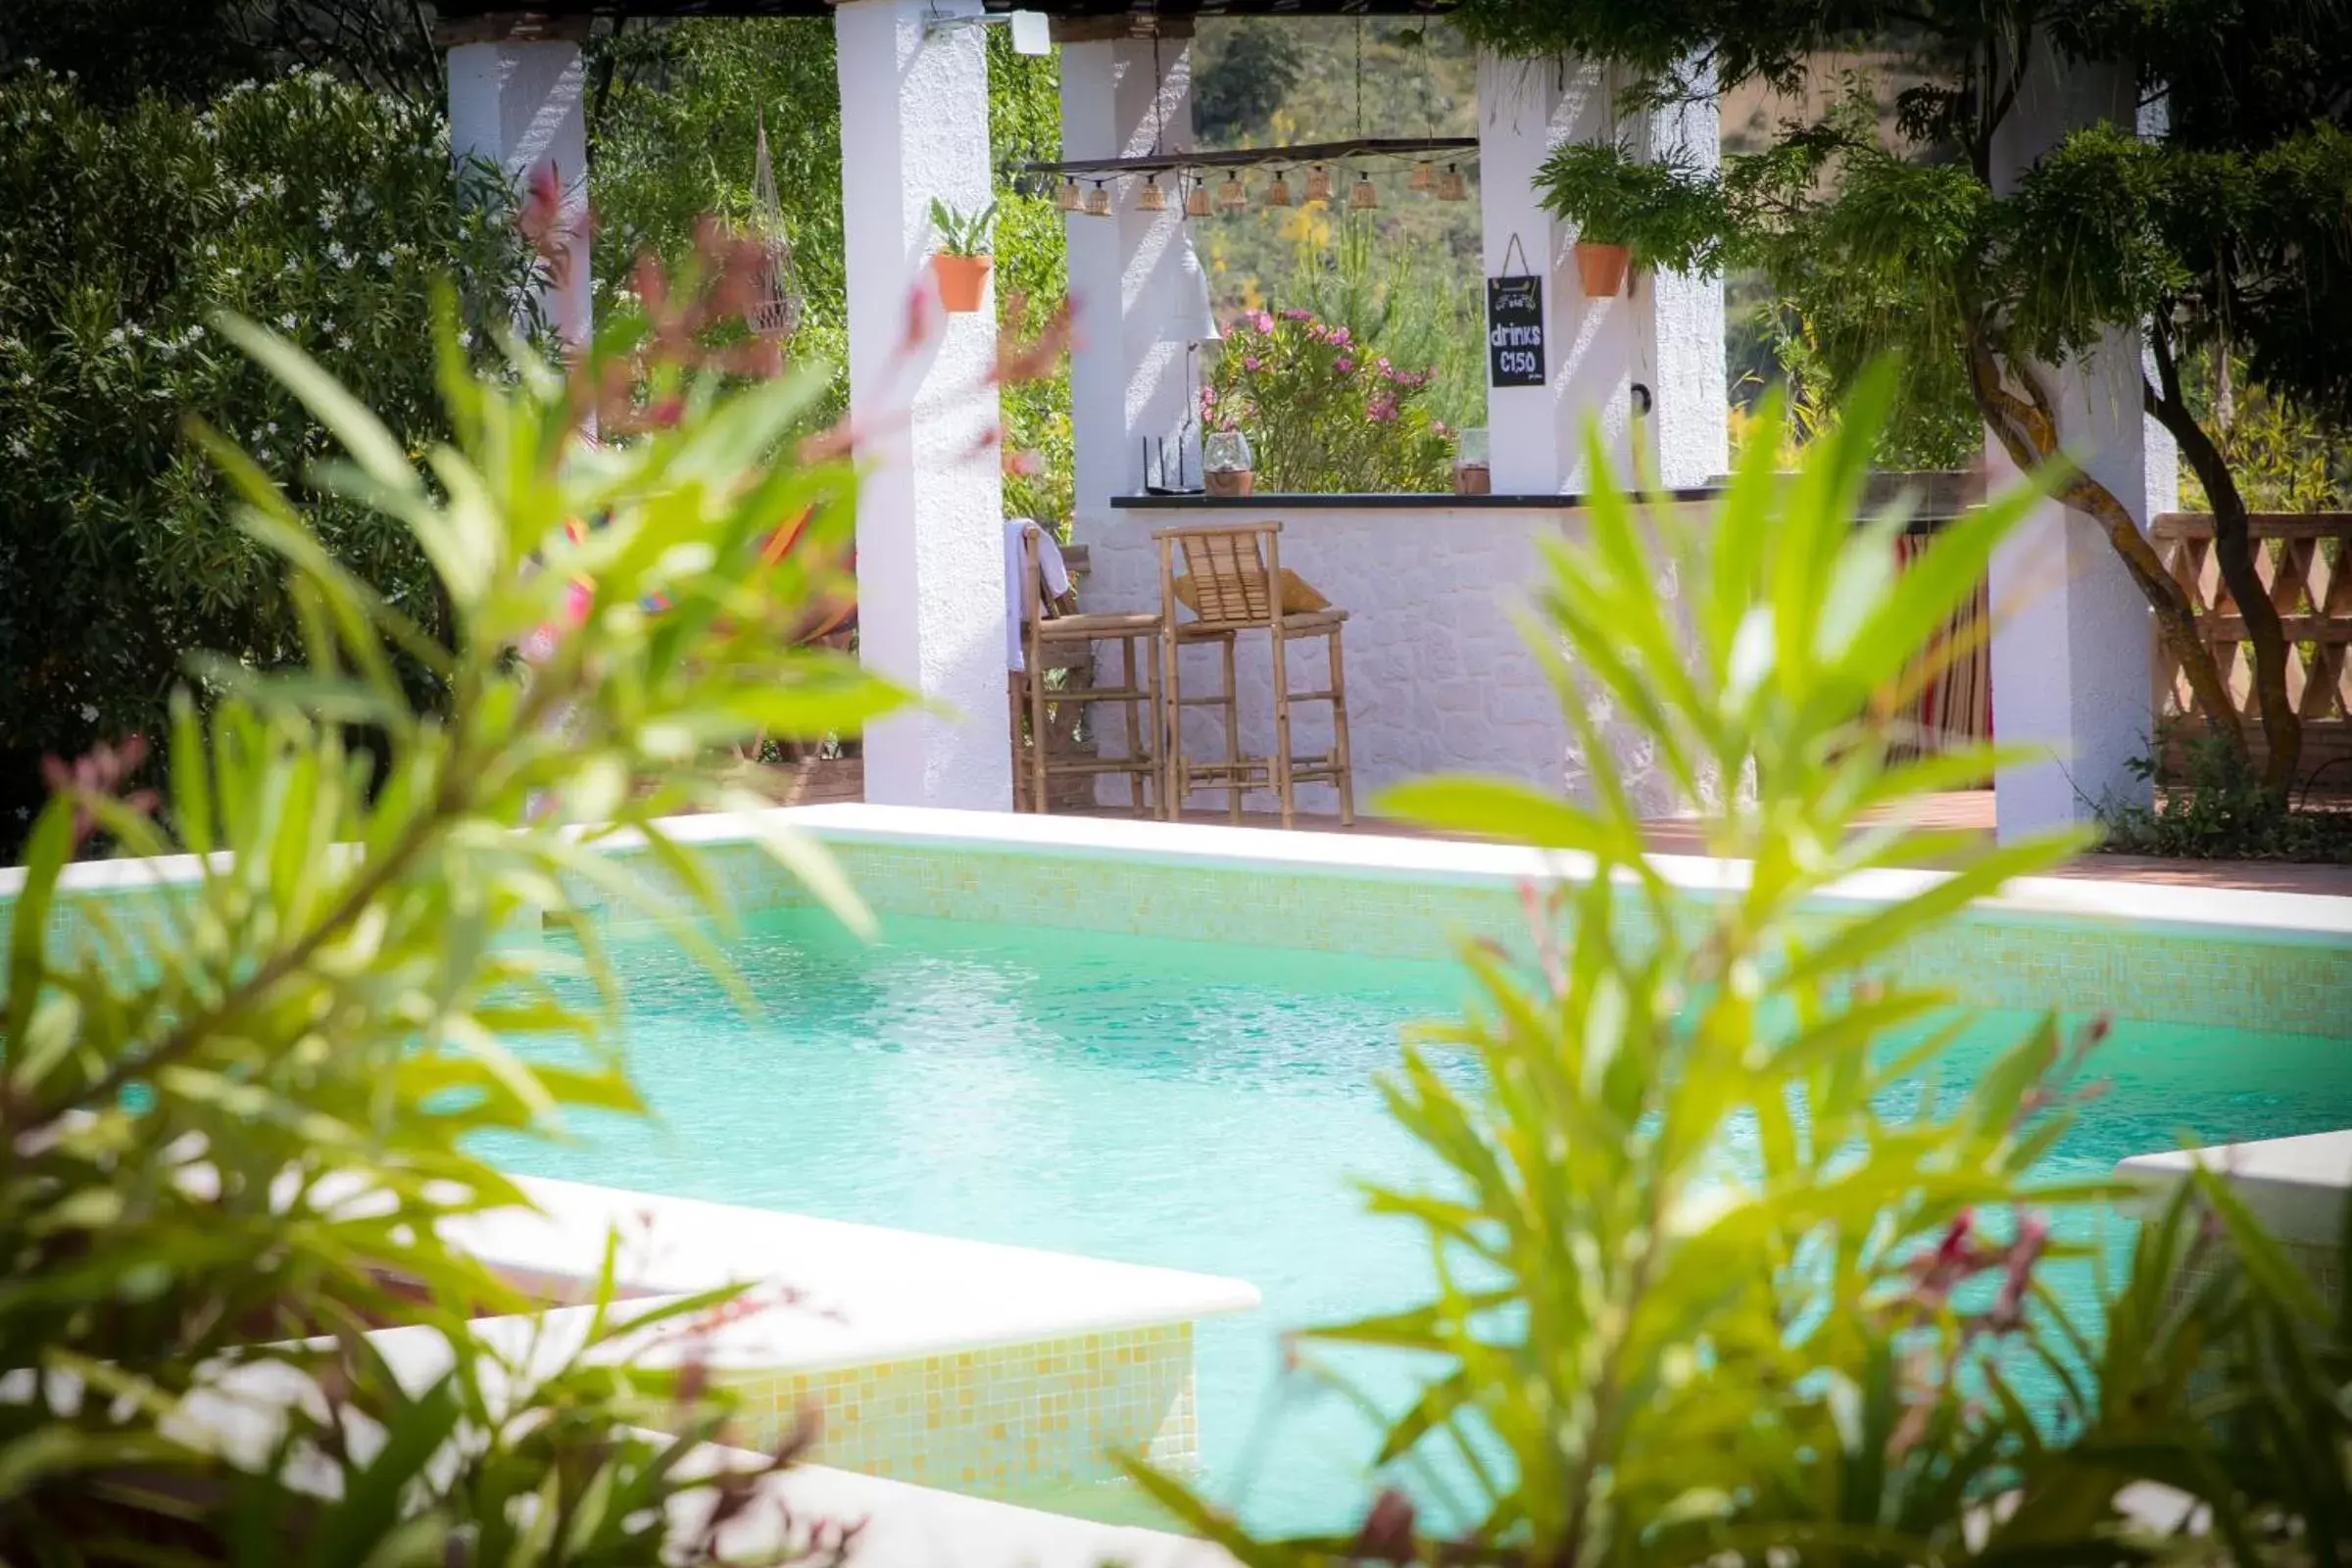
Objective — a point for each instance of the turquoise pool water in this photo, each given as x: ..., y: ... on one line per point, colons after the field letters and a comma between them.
x: 1199, y: 1105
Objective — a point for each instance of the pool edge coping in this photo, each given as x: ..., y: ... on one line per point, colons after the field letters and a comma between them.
x: 2243, y: 915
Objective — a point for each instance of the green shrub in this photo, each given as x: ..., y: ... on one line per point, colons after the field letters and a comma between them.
x: 1722, y: 1274
x: 1324, y: 412
x: 674, y: 134
x: 2220, y: 811
x: 201, y: 1083
x: 313, y: 206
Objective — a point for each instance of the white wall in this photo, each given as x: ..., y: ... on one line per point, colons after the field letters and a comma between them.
x: 930, y: 511
x: 2073, y: 652
x: 1438, y: 675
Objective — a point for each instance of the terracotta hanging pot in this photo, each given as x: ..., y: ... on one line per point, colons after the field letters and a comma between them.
x: 1601, y: 269
x: 961, y: 280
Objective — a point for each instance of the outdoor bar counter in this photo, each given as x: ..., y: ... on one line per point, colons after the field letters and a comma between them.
x: 1438, y: 675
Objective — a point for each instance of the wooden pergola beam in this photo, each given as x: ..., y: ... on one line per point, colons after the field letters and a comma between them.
x: 1431, y: 148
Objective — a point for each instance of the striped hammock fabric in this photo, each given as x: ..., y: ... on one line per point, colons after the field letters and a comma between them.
x: 1952, y: 684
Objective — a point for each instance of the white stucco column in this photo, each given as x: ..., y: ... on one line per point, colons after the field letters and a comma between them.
x: 930, y: 508
x: 1134, y: 275
x: 519, y: 102
x: 2072, y: 654
x: 1664, y: 336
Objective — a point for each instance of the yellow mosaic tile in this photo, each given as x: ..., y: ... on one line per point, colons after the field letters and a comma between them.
x: 1987, y: 960
x: 995, y: 1421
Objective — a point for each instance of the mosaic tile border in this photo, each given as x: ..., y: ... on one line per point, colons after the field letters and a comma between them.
x: 1989, y: 960
x: 995, y: 1421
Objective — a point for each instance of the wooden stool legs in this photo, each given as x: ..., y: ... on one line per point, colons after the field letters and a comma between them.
x: 1340, y: 759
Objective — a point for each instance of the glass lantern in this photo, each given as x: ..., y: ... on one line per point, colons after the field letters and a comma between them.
x: 1471, y: 475
x: 1225, y: 463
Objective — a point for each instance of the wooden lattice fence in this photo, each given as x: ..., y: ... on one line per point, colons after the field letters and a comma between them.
x: 2305, y: 564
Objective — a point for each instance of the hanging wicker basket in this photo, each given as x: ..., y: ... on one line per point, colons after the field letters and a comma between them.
x: 776, y: 313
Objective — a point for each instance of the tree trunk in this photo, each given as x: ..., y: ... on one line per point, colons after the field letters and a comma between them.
x: 2028, y: 429
x: 2233, y: 552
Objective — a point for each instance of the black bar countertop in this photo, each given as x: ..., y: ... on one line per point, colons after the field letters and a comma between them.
x: 1435, y: 502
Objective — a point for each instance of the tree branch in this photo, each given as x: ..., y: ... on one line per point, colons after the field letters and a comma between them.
x: 2234, y: 553
x: 2029, y: 434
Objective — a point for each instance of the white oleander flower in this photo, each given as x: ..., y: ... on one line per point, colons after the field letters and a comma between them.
x: 343, y: 342
x: 383, y: 258
x: 287, y: 320
x: 466, y: 337
x: 89, y: 713
x: 271, y: 428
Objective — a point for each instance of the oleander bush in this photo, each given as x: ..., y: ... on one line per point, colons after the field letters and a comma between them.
x: 235, y: 1111
x: 1324, y: 412
x: 315, y: 207
x: 1722, y: 1272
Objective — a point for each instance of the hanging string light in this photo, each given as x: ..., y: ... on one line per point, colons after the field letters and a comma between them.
x: 1097, y: 202
x: 1231, y: 197
x: 1150, y: 199
x: 1363, y: 196
x: 1068, y: 198
x: 1453, y: 188
x: 1318, y: 184
x: 1424, y: 177
x: 1278, y: 192
x: 1195, y: 204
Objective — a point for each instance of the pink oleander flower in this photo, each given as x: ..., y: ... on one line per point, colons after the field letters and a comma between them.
x: 1382, y: 362
x: 1250, y: 361
x: 1344, y: 365
x: 1295, y: 315
x: 1339, y: 335
x: 1265, y: 322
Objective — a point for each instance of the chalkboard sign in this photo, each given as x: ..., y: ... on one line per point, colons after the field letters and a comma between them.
x: 1514, y: 331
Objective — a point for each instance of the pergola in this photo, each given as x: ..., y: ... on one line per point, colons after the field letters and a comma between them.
x: 1648, y: 367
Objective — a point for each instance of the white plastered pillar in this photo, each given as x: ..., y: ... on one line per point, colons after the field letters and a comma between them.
x: 1646, y: 366
x: 2073, y: 660
x: 930, y: 507
x: 1134, y: 279
x: 517, y: 100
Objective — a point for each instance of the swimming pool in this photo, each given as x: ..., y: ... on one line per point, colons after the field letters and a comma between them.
x: 1198, y: 1105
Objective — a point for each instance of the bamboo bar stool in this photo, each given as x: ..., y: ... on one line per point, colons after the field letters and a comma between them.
x: 1067, y: 644
x: 1234, y: 583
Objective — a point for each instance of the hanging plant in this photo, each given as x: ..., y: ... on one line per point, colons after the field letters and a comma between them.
x: 961, y: 262
x: 1616, y: 200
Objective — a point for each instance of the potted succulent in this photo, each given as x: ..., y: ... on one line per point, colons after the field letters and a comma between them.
x: 962, y: 262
